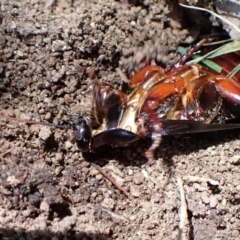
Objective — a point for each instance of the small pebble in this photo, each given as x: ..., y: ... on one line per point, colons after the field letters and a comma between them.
x: 235, y: 159
x: 205, y: 197
x: 213, y: 201
x: 44, y: 207
x: 138, y: 178
x: 108, y: 203
x: 45, y: 133
x: 135, y: 191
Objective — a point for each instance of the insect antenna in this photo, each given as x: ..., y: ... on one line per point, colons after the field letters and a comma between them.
x: 189, y: 53
x: 31, y: 122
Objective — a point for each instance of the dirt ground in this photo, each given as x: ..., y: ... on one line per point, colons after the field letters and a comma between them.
x: 48, y: 190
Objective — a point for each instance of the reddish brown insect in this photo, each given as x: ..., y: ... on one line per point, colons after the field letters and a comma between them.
x: 184, y: 99
x: 187, y: 98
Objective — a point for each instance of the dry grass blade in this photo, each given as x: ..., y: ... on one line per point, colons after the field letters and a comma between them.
x: 226, y: 48
x: 234, y: 71
x: 212, y: 13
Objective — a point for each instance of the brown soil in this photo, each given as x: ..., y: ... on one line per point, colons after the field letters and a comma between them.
x: 47, y: 189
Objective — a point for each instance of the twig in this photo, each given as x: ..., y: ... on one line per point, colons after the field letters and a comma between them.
x: 183, y: 208
x: 106, y: 175
x: 200, y: 179
x: 114, y: 215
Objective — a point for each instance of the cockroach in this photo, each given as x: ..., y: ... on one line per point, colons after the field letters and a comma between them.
x: 184, y: 99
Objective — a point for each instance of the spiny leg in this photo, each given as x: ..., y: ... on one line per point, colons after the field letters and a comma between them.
x: 156, y: 135
x: 156, y: 140
x: 189, y: 53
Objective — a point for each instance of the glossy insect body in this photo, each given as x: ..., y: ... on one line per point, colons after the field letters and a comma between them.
x: 189, y: 98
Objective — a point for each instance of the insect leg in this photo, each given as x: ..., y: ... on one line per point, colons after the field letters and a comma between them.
x: 156, y: 140
x: 144, y: 73
x: 155, y: 127
x: 190, y: 53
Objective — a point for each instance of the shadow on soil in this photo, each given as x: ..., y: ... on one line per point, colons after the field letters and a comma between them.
x: 19, y: 234
x: 170, y: 147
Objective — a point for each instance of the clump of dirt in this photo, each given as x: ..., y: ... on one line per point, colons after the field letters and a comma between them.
x: 49, y: 54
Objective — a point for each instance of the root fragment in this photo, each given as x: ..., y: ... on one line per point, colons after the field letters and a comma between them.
x: 106, y: 175
x: 183, y: 208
